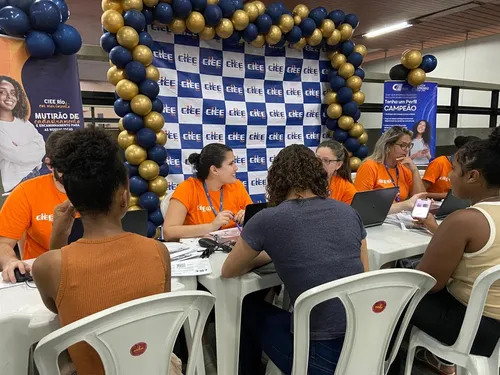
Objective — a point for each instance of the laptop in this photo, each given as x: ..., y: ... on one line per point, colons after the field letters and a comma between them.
x: 252, y: 209
x: 133, y: 222
x: 374, y: 205
x: 450, y: 205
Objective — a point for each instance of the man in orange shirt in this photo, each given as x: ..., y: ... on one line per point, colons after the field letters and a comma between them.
x: 29, y: 210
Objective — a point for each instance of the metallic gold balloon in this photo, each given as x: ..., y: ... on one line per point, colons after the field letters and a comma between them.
x: 152, y: 73
x: 225, y: 28
x: 211, y: 2
x: 260, y: 6
x: 274, y: 35
x: 363, y: 138
x: 177, y: 26
x: 412, y: 59
x: 115, y: 75
x: 331, y: 54
x: 251, y: 10
x: 346, y: 122
x: 338, y: 60
x: 120, y: 125
x: 159, y: 185
x: 316, y: 38
x: 208, y: 33
x: 132, y: 4
x: 150, y: 3
x: 111, y: 63
x: 125, y: 139
x: 330, y: 97
x: 358, y: 97
x: 300, y: 44
x: 350, y: 154
x: 141, y: 105
x: 301, y: 10
x: 286, y: 23
x: 297, y: 20
x: 157, y: 233
x: 161, y: 198
x: 135, y: 154
x: 127, y: 37
x: 161, y: 138
x: 416, y: 77
x: 127, y: 89
x: 334, y: 111
x: 354, y: 163
x: 195, y: 22
x: 143, y: 54
x: 112, y: 21
x: 361, y: 49
x: 259, y: 41
x: 327, y: 26
x: 112, y: 4
x: 240, y: 19
x: 154, y: 121
x: 346, y: 70
x: 334, y: 39
x: 134, y: 208
x: 345, y: 32
x: 149, y: 170
x: 134, y: 200
x: 354, y: 83
x: 357, y: 130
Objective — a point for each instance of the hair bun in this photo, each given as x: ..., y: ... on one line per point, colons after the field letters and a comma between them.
x: 194, y: 158
x: 494, y: 138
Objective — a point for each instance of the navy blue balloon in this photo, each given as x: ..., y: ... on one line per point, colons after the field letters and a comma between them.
x: 352, y: 20
x: 157, y: 105
x: 234, y: 39
x: 135, y: 19
x: 347, y: 48
x: 133, y: 170
x: 149, y: 201
x: 362, y: 152
x: 344, y: 95
x: 149, y: 15
x: 274, y: 11
x: 324, y: 11
x: 24, y: 5
x: 360, y: 73
x: 156, y: 217
x: 146, y: 138
x: 120, y: 56
x: 132, y: 122
x: 108, y: 41
x: 332, y: 73
x: 340, y: 135
x: 212, y: 14
x: 149, y: 88
x: 294, y: 35
x: 332, y: 124
x: 357, y: 116
x: 164, y: 13
x: 45, y: 16
x: 337, y: 16
x: 122, y: 107
x: 67, y: 39
x: 164, y: 169
x: 3, y: 3
x: 264, y: 23
x: 307, y: 26
x: 199, y: 5
x: 40, y: 45
x: 14, y: 21
x: 352, y: 144
x: 355, y: 59
x: 238, y: 4
x: 117, y: 96
x: 337, y: 82
x: 151, y: 230
x: 182, y: 8
x: 145, y: 39
x: 157, y: 154
x: 350, y: 108
x: 228, y: 7
x: 63, y: 8
x: 138, y: 185
x: 136, y: 72
x: 282, y: 42
x: 429, y: 63
x: 317, y: 16
x: 2, y: 31
x: 250, y: 33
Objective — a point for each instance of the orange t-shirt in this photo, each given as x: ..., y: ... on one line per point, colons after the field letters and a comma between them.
x: 437, y: 174
x: 342, y: 190
x: 30, y: 208
x: 192, y: 195
x: 372, y: 175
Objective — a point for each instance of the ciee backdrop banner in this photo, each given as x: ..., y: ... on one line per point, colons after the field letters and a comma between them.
x: 255, y: 100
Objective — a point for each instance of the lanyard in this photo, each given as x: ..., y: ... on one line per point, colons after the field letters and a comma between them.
x: 396, y: 184
x: 210, y: 199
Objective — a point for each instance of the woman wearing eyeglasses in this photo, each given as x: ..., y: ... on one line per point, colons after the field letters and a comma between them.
x: 335, y: 161
x: 390, y: 166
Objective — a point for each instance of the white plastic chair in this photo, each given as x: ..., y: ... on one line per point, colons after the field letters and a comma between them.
x: 136, y: 337
x: 459, y: 353
x: 374, y: 302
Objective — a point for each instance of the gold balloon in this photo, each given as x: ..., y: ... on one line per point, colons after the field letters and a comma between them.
x: 354, y: 163
x: 338, y: 60
x: 274, y: 35
x: 315, y: 38
x: 334, y: 39
x: 112, y: 21
x: 345, y: 32
x: 251, y: 10
x: 120, y: 125
x: 259, y: 41
x: 334, y: 111
x: 150, y: 3
x: 354, y: 83
x: 159, y: 185
x: 346, y: 70
x: 133, y: 201
x: 127, y: 89
x: 195, y: 22
x: 152, y: 73
x: 141, y: 105
x: 286, y: 23
x: 297, y: 20
x: 301, y: 10
x: 135, y: 154
x: 208, y: 33
x: 240, y: 19
x: 331, y: 54
x: 134, y: 208
x: 350, y: 154
x: 161, y: 138
x: 149, y: 170
x: 112, y: 4
x: 330, y: 97
x: 361, y: 49
x: 115, y: 75
x: 177, y: 26
x: 260, y: 6
x: 127, y: 37
x: 300, y: 44
x: 143, y: 54
x: 412, y: 59
x: 357, y: 130
x: 358, y: 97
x: 225, y: 28
x: 154, y: 121
x: 346, y: 122
x: 157, y: 233
x: 209, y: 2
x: 327, y: 26
x: 125, y: 139
x: 416, y: 77
x: 363, y: 138
x: 161, y: 198
x: 132, y: 4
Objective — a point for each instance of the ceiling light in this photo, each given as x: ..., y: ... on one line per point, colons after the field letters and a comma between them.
x: 388, y: 29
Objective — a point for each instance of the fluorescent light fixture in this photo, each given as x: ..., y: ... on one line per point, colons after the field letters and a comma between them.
x: 388, y: 29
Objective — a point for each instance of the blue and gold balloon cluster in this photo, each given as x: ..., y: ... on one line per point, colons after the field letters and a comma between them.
x: 414, y: 67
x: 42, y: 23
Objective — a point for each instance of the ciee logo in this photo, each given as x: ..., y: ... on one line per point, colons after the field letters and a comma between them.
x: 173, y: 161
x: 172, y: 186
x: 256, y: 159
x: 257, y: 181
x: 397, y: 87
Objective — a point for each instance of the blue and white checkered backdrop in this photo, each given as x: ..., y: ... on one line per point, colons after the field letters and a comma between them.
x: 255, y: 100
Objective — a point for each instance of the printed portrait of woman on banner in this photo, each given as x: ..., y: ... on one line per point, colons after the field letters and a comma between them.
x: 420, y: 153
x: 22, y: 147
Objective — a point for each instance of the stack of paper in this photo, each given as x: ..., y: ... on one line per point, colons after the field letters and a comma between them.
x: 185, y: 259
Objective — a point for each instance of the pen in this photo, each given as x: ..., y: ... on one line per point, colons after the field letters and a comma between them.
x: 237, y: 225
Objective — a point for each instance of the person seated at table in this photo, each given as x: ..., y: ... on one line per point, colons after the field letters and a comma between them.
x: 312, y: 240
x: 96, y: 272
x: 464, y: 245
x: 389, y: 166
x: 211, y: 200
x: 436, y: 178
x: 29, y: 211
x: 335, y: 160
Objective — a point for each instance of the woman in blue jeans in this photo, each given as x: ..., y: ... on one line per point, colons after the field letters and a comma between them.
x: 312, y: 240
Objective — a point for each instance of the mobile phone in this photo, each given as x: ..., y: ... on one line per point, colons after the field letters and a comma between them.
x: 421, y: 209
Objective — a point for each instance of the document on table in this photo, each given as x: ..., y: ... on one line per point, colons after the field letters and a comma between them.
x: 405, y: 221
x: 4, y: 284
x: 185, y: 259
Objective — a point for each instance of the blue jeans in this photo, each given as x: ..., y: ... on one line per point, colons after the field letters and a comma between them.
x: 267, y: 328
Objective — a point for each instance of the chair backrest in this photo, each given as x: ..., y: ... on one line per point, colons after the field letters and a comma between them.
x: 475, y: 309
x: 165, y: 203
x: 136, y: 337
x: 374, y: 302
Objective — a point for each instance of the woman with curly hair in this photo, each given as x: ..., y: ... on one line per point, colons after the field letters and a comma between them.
x: 312, y: 240
x: 21, y: 146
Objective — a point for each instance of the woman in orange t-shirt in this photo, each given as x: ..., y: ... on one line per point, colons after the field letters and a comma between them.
x: 335, y: 161
x: 213, y: 199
